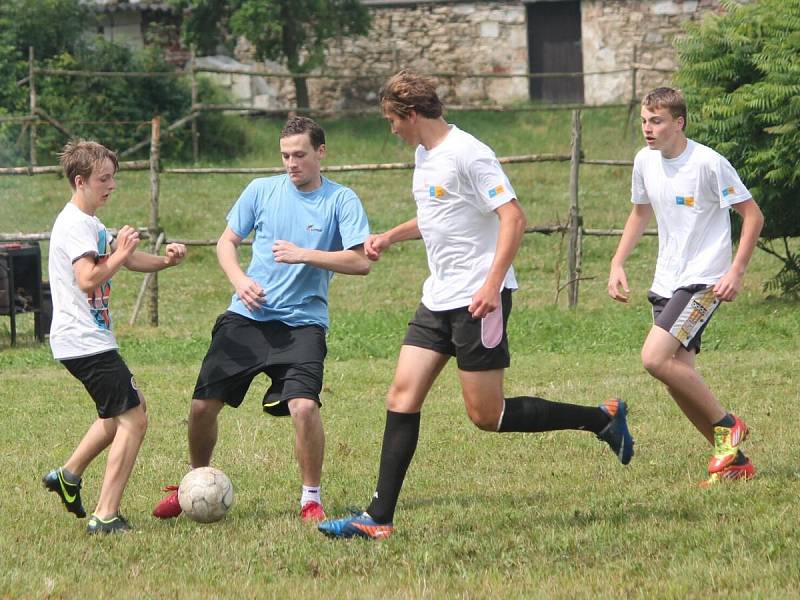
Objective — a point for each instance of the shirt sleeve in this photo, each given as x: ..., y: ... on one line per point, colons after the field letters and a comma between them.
x: 490, y: 184
x: 729, y: 186
x: 352, y: 220
x: 82, y: 240
x: 242, y: 217
x: 638, y: 189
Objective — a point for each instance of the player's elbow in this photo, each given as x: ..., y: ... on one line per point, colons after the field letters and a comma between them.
x: 363, y: 266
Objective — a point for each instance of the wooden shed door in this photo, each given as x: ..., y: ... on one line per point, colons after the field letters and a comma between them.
x: 554, y: 46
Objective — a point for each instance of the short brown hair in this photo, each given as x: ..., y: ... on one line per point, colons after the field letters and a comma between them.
x: 669, y: 98
x: 299, y: 125
x: 81, y: 157
x: 406, y: 91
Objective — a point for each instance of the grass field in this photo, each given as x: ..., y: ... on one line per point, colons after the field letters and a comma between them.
x: 481, y: 515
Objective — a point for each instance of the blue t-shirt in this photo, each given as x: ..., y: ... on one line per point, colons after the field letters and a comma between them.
x: 329, y: 218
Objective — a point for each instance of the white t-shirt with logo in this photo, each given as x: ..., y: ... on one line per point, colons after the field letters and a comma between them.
x: 81, y: 322
x: 691, y: 196
x: 457, y: 186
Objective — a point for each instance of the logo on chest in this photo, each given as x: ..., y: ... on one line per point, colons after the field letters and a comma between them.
x: 436, y: 191
x: 684, y: 200
x: 313, y: 228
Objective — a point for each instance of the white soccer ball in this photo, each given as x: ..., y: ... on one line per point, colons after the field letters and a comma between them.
x: 205, y: 494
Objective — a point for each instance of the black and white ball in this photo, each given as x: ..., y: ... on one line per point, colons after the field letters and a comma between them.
x: 205, y: 494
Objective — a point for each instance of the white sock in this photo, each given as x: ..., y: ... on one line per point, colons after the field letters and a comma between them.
x: 311, y: 493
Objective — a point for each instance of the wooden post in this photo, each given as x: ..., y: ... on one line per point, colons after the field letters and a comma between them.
x: 154, y: 229
x: 195, y: 134
x: 32, y: 97
x: 575, y: 220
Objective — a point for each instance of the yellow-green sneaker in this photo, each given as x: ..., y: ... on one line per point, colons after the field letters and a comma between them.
x: 70, y: 493
x: 116, y: 524
x: 726, y: 444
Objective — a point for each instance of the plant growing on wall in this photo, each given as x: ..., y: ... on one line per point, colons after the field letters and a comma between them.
x: 296, y: 31
x: 741, y: 76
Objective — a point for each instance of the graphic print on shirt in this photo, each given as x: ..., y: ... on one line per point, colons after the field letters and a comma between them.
x: 98, y: 298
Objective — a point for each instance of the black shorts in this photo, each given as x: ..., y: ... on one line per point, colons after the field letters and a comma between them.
x: 686, y: 314
x: 455, y: 333
x: 108, y: 380
x: 241, y: 348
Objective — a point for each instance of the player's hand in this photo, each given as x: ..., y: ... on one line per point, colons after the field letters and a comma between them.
x: 727, y: 288
x: 287, y: 252
x: 250, y: 293
x: 485, y: 300
x: 174, y: 254
x: 127, y: 240
x: 617, y: 278
x: 375, y: 245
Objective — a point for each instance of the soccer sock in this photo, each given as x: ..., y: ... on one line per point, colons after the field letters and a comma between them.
x: 399, y: 444
x: 726, y: 421
x: 69, y: 476
x: 531, y: 414
x: 311, y: 494
x: 740, y: 458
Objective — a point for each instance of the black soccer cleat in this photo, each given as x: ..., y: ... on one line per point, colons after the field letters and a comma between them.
x: 116, y: 524
x: 70, y: 493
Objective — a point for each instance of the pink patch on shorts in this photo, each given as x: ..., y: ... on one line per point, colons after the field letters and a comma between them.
x: 492, y: 327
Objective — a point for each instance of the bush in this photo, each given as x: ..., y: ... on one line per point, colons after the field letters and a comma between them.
x: 741, y: 75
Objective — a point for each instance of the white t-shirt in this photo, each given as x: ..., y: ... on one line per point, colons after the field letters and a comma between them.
x: 81, y: 322
x: 457, y: 186
x: 691, y: 196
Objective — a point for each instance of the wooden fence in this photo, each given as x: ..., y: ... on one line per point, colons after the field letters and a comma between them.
x: 573, y: 228
x: 37, y: 115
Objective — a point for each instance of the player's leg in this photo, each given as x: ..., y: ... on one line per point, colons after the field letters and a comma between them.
x: 417, y: 369
x: 667, y: 355
x: 234, y: 357
x: 309, y: 449
x: 482, y: 360
x: 131, y: 429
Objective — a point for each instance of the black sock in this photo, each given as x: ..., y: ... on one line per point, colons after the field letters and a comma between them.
x: 726, y: 421
x: 740, y: 458
x: 528, y: 413
x: 399, y: 444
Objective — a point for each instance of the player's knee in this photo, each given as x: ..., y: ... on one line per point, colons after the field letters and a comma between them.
x: 653, y: 365
x: 483, y: 420
x: 303, y: 409
x: 203, y: 410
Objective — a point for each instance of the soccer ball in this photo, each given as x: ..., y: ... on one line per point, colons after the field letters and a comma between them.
x: 205, y: 494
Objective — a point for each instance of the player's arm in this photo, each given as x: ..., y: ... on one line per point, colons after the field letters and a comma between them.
x: 377, y: 243
x: 89, y: 273
x: 631, y: 234
x: 509, y: 239
x: 143, y: 262
x: 349, y: 262
x: 249, y: 291
x: 727, y: 288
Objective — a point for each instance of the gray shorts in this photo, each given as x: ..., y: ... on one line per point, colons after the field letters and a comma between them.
x: 686, y: 314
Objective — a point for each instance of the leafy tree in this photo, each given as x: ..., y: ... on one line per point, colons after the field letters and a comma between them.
x: 292, y: 30
x: 741, y: 74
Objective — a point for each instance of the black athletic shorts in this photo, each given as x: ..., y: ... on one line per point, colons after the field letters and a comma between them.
x: 241, y: 348
x: 686, y: 314
x: 477, y: 344
x: 108, y: 380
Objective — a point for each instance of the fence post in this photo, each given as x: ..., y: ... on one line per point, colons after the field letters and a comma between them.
x: 32, y: 97
x: 195, y: 135
x: 154, y: 229
x: 575, y: 219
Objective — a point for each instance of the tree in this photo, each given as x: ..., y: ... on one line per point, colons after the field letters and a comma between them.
x: 292, y: 30
x: 741, y: 75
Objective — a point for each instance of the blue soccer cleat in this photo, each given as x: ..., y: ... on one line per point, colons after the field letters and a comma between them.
x: 616, y: 433
x: 359, y: 524
x: 70, y: 493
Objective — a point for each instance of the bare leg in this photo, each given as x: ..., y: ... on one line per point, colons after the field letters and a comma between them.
x: 130, y: 429
x: 417, y: 369
x: 666, y: 360
x: 309, y: 439
x: 203, y: 430
x: 483, y: 397
x: 96, y: 439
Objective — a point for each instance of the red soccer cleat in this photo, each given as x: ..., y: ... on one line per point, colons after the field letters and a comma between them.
x: 726, y: 444
x: 744, y: 471
x: 312, y: 512
x: 169, y: 507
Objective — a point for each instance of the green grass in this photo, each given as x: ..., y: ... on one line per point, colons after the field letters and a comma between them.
x: 481, y: 515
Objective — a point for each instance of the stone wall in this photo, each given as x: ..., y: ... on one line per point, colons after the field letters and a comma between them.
x: 486, y: 37
x: 613, y: 28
